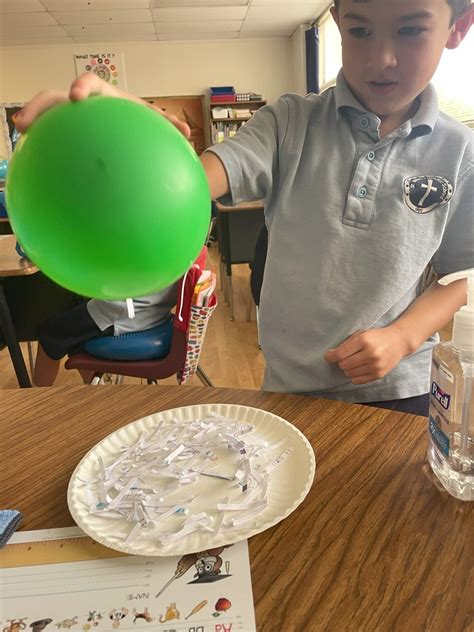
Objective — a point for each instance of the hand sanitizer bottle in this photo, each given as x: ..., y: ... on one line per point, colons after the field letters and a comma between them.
x: 451, y: 417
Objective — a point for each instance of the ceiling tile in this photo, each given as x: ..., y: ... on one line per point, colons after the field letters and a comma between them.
x: 105, y: 30
x: 136, y: 37
x: 13, y: 20
x: 36, y: 32
x: 196, y: 36
x: 259, y: 28
x: 103, y: 17
x: 33, y: 41
x: 142, y: 20
x: 289, y: 11
x: 20, y: 6
x: 184, y: 14
x: 203, y: 3
x: 94, y: 5
x: 198, y: 27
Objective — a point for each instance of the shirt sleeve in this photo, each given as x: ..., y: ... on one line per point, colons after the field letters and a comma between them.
x: 250, y: 158
x: 456, y: 251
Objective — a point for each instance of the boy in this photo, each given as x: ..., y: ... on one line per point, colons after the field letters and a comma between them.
x: 68, y: 331
x: 364, y: 187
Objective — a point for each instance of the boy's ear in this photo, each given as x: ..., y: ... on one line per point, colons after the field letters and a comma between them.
x: 335, y: 15
x: 460, y: 28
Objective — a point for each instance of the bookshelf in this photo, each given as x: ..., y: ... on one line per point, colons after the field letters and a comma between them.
x: 226, y: 117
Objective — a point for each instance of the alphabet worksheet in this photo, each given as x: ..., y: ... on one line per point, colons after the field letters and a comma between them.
x: 60, y: 579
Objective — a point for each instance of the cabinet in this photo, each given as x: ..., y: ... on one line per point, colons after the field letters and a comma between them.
x: 226, y: 118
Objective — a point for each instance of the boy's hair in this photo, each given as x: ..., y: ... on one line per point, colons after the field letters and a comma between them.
x: 458, y: 7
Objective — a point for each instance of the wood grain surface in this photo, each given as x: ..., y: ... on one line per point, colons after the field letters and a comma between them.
x: 375, y: 546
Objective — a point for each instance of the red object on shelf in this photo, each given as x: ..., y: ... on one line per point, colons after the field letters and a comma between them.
x: 224, y: 98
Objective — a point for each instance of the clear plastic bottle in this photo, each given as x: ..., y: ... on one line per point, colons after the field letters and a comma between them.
x: 451, y: 417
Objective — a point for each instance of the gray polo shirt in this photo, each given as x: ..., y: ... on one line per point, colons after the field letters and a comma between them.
x: 353, y: 222
x: 150, y: 311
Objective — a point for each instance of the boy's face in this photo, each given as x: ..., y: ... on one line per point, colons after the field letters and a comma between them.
x: 391, y: 48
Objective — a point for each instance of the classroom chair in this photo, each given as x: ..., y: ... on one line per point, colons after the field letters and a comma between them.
x: 183, y: 336
x: 237, y: 231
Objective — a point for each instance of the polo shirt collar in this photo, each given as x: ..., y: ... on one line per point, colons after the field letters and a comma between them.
x: 421, y: 123
x: 425, y: 117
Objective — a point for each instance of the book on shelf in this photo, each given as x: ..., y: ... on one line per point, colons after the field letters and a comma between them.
x: 221, y: 130
x: 223, y: 98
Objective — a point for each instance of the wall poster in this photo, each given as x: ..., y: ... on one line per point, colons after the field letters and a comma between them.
x: 107, y: 66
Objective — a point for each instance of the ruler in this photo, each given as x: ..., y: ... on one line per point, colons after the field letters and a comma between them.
x: 74, y: 549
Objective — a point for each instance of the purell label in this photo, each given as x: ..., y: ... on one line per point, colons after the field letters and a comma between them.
x: 443, y: 398
x: 446, y: 373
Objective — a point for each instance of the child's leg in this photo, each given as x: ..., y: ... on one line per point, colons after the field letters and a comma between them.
x: 64, y: 334
x: 46, y: 369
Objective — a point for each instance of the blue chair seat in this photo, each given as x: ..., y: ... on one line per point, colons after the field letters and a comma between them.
x: 149, y: 344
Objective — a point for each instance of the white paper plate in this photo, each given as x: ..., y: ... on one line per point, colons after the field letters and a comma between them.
x: 288, y: 484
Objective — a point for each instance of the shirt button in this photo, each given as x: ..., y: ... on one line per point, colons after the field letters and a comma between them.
x: 364, y: 122
x: 361, y: 192
x: 371, y: 155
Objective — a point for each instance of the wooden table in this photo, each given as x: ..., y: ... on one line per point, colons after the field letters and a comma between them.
x: 375, y: 546
x: 11, y: 264
x: 238, y: 228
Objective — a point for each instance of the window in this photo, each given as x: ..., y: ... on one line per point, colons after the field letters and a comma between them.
x: 454, y: 87
x: 330, y: 58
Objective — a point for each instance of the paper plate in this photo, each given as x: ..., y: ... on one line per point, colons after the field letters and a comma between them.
x: 288, y: 484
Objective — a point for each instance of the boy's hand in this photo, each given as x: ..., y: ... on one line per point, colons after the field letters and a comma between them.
x: 369, y: 355
x: 83, y: 87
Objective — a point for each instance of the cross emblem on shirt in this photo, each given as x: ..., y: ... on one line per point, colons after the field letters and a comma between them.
x: 422, y: 194
x: 429, y: 187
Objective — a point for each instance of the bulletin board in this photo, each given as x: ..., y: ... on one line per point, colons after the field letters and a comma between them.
x: 189, y: 109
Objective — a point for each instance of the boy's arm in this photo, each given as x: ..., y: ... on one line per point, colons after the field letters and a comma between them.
x: 89, y: 84
x: 369, y: 355
x: 216, y: 174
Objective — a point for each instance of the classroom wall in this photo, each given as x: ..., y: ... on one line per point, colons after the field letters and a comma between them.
x: 157, y: 68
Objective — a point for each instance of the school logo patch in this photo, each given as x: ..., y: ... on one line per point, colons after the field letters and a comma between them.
x: 424, y: 193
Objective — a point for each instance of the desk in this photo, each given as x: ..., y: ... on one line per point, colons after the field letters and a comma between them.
x: 375, y: 546
x: 11, y: 265
x: 237, y: 230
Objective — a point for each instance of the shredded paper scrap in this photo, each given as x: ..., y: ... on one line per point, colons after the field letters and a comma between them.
x: 153, y: 488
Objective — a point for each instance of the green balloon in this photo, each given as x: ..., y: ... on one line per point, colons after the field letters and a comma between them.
x: 108, y: 198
